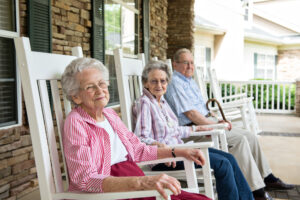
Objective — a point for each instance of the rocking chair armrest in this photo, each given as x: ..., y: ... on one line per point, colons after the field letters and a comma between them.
x: 226, y: 107
x: 239, y: 101
x: 235, y: 104
x: 217, y: 126
x: 110, y: 195
x: 235, y: 96
x: 198, y: 145
x: 163, y: 160
x: 204, y: 133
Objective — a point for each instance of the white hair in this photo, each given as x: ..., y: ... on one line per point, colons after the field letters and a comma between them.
x: 70, y: 84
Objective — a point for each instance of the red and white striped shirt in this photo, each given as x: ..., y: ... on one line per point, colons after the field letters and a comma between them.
x: 87, y: 149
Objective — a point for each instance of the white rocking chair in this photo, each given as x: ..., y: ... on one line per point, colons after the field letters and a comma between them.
x: 248, y: 114
x: 232, y: 112
x: 35, y: 69
x: 129, y: 73
x: 167, y: 61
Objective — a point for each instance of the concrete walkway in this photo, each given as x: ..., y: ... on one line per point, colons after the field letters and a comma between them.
x: 282, y: 150
x: 280, y: 141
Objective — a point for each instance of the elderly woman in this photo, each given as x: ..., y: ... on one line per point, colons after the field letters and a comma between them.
x: 100, y: 151
x: 157, y: 125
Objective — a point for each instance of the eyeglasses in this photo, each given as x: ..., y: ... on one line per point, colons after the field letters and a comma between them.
x: 186, y: 62
x: 155, y: 82
x: 93, y: 87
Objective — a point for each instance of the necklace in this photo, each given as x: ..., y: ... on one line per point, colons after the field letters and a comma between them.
x: 168, y: 120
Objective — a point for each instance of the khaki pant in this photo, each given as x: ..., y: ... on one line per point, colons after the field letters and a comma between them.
x: 244, y: 146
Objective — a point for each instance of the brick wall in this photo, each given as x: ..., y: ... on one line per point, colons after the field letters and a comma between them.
x: 158, y: 28
x: 71, y: 26
x: 288, y: 64
x: 180, y: 25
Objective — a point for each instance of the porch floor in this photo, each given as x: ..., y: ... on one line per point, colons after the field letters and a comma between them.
x: 280, y: 142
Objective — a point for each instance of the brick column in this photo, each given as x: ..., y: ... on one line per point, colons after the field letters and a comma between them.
x: 180, y: 25
x: 158, y: 28
x: 298, y: 97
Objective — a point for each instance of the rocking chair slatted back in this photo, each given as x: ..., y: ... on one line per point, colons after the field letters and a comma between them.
x: 35, y: 68
x: 199, y: 78
x: 214, y: 84
x: 129, y: 71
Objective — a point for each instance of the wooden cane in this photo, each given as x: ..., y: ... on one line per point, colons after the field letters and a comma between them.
x: 219, y: 106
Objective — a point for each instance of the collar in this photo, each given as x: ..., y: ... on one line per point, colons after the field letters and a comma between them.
x: 148, y: 94
x: 88, y: 119
x: 182, y: 77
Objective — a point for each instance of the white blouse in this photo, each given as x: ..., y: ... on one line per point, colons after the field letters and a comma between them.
x: 118, y: 150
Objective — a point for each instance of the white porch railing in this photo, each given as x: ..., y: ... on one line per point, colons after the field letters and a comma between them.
x: 268, y: 96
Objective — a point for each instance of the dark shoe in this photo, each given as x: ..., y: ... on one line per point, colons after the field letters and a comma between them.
x: 265, y: 197
x: 279, y: 185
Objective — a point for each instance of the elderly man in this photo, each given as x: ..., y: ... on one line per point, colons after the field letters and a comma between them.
x: 184, y: 97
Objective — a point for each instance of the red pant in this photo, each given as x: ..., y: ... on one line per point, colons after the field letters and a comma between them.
x: 128, y: 168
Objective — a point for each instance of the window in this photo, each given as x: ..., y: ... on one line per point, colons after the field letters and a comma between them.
x: 121, y: 31
x: 203, y: 58
x: 265, y: 66
x: 10, y: 100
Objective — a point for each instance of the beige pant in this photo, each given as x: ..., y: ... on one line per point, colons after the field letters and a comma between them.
x: 244, y: 146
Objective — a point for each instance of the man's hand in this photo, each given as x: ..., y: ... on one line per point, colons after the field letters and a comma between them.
x: 226, y: 122
x: 203, y: 128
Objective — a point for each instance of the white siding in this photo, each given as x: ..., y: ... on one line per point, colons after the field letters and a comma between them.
x: 227, y: 54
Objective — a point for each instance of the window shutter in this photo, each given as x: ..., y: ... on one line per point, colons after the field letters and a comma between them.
x: 98, y: 48
x: 39, y: 21
x: 8, y: 94
x: 7, y: 17
x: 255, y: 65
x: 40, y: 29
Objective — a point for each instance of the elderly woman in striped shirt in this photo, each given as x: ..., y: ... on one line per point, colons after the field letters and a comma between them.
x: 100, y: 151
x: 156, y: 124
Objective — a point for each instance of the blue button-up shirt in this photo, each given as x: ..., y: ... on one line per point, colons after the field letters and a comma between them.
x: 184, y: 95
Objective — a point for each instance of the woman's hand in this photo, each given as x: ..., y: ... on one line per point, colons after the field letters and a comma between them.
x: 138, y: 183
x: 195, y: 155
x: 161, y: 182
x: 162, y: 145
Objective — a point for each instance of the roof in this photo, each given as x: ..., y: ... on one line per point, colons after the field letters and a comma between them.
x: 208, y: 26
x: 282, y: 12
x: 260, y: 35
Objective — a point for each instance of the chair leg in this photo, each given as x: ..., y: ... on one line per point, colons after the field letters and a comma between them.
x: 191, y: 177
x: 215, y: 140
x: 209, y: 191
x: 254, y: 122
x: 246, y: 122
x: 224, y: 144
